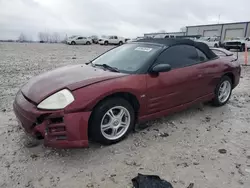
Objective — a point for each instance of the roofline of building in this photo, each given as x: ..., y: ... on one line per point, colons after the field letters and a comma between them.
x: 218, y: 24
x: 163, y: 33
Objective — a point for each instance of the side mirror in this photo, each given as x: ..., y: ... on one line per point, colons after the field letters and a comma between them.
x: 161, y: 68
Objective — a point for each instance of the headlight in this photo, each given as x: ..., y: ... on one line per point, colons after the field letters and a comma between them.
x: 57, y: 101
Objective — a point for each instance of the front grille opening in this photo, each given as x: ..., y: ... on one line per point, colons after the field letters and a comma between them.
x: 61, y: 137
x: 57, y: 129
x: 56, y: 120
x: 39, y: 136
x: 41, y: 118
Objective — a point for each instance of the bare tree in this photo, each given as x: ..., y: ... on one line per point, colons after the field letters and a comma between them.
x: 22, y: 38
x: 183, y: 29
x: 65, y: 39
x: 55, y: 37
x: 43, y: 37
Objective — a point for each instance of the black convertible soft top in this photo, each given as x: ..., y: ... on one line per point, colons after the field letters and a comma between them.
x: 171, y: 42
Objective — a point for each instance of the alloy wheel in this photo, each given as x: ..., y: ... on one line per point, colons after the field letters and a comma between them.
x: 224, y: 91
x: 115, y: 123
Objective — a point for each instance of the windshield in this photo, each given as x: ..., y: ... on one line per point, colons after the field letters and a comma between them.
x: 128, y: 58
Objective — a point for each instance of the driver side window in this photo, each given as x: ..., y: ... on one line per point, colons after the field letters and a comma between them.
x: 201, y: 56
x: 179, y: 56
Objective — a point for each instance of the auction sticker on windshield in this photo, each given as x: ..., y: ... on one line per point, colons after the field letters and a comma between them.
x: 143, y: 49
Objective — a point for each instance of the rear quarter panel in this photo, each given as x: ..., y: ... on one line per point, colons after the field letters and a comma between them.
x: 225, y: 65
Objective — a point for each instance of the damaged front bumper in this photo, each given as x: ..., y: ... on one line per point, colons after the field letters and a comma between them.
x: 57, y: 128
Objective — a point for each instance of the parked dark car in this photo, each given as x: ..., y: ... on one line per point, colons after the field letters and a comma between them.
x: 139, y: 81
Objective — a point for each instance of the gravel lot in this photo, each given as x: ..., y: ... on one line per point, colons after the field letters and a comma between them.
x: 190, y: 154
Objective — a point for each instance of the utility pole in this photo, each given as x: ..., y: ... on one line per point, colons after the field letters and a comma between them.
x: 219, y: 19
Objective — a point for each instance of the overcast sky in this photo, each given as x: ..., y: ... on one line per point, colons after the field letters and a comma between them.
x: 127, y: 18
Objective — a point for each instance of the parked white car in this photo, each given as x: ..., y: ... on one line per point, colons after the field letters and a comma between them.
x: 210, y: 41
x: 135, y: 39
x: 111, y: 40
x: 237, y: 43
x: 79, y: 40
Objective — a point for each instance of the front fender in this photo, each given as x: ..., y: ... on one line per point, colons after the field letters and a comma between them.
x: 88, y: 97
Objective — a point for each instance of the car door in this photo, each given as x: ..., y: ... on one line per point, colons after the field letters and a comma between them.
x: 116, y: 40
x: 84, y: 40
x: 79, y: 40
x: 180, y: 85
x: 111, y: 39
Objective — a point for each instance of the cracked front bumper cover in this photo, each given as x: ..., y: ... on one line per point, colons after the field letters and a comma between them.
x: 59, y: 129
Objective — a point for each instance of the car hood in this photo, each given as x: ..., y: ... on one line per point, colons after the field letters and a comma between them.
x: 71, y: 77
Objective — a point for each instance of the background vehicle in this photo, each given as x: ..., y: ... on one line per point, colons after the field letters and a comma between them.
x: 237, y: 43
x: 210, y: 41
x: 111, y: 40
x: 94, y: 39
x: 138, y: 81
x: 135, y: 39
x: 79, y: 40
x: 166, y: 36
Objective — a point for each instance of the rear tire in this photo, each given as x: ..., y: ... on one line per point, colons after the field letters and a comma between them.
x: 111, y: 121
x: 223, y: 91
x: 216, y: 46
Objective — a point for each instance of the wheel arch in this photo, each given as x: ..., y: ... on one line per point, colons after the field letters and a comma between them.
x: 131, y: 98
x: 231, y: 76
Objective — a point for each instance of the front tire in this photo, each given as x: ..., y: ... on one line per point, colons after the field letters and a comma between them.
x: 111, y: 121
x: 106, y: 43
x: 88, y: 43
x: 216, y: 46
x: 73, y: 43
x: 120, y: 43
x: 223, y: 91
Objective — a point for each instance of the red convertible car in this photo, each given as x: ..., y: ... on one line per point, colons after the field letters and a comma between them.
x: 103, y: 99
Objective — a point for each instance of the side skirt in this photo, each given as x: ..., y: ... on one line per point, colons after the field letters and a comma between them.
x: 175, y: 109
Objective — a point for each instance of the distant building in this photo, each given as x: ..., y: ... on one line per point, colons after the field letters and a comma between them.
x: 224, y: 30
x: 163, y: 34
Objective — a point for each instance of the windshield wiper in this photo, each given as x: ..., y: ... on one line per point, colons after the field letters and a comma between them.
x: 105, y: 66
x: 90, y: 62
